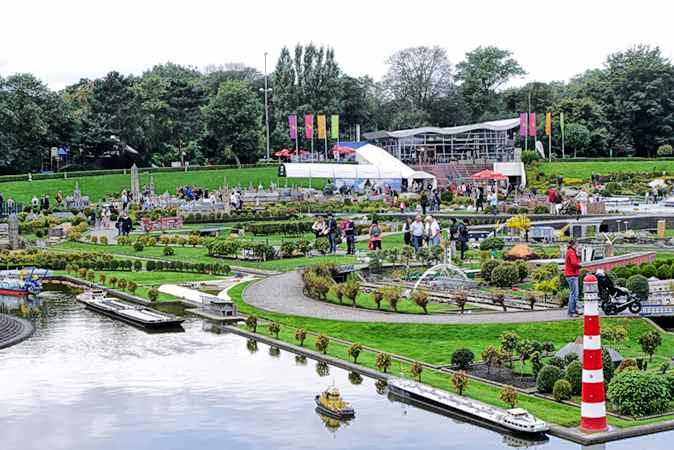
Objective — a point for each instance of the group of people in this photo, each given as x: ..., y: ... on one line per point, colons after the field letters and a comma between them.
x: 344, y: 230
x: 426, y: 232
x: 191, y: 192
x: 236, y: 200
x: 40, y: 204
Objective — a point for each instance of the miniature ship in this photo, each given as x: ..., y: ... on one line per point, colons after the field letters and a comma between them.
x: 515, y: 419
x: 18, y: 283
x: 140, y: 316
x: 330, y: 403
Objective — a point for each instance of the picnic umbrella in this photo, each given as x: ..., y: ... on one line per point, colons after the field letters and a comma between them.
x: 341, y: 150
x: 283, y: 153
x: 487, y: 175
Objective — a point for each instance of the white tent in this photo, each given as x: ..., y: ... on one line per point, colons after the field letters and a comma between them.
x: 372, y: 162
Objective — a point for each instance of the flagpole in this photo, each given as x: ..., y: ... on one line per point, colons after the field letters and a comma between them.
x: 562, y: 127
x: 550, y: 146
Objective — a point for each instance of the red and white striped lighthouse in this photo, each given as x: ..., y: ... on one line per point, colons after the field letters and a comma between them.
x: 593, y: 403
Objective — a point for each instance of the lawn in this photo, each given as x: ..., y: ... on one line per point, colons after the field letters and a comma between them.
x: 434, y: 343
x: 200, y: 255
x: 96, y: 187
x: 584, y: 169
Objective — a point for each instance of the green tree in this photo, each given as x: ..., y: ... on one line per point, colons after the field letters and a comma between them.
x: 275, y: 329
x: 354, y: 351
x: 481, y: 73
x: 508, y: 395
x: 460, y: 381
x: 383, y: 361
x: 322, y: 342
x: 509, y: 343
x: 649, y: 342
x: 300, y: 336
x: 415, y: 370
x: 577, y: 137
x: 251, y: 322
x: 233, y: 120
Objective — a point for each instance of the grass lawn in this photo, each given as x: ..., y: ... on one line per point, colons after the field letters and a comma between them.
x: 585, y: 168
x: 434, y: 343
x: 200, y: 255
x: 97, y: 187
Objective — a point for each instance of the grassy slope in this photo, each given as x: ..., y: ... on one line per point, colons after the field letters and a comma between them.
x: 199, y: 254
x: 96, y: 187
x: 434, y: 343
x: 585, y: 169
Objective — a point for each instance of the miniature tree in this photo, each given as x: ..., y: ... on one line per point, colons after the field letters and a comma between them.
x: 492, y: 357
x: 251, y: 322
x: 378, y: 296
x: 275, y: 329
x: 509, y: 343
x: 351, y: 289
x: 536, y: 362
x: 525, y: 348
x: 339, y: 292
x: 649, y: 342
x: 392, y: 296
x: 460, y: 297
x: 322, y: 342
x: 300, y: 336
x: 152, y: 294
x: 101, y: 278
x: 383, y: 361
x: 460, y: 381
x: 420, y: 298
x: 354, y: 351
x: 508, y: 395
x: 415, y: 370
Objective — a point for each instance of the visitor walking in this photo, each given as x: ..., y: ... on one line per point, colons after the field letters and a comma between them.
x: 479, y: 204
x: 375, y: 236
x: 572, y: 272
x: 407, y: 231
x: 350, y: 235
x: 462, y: 232
x: 434, y: 232
x: 552, y: 199
x: 332, y: 233
x: 424, y: 202
x: 417, y: 228
x: 493, y: 201
x: 453, y: 233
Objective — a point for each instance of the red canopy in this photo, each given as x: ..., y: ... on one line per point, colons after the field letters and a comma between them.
x: 284, y: 153
x: 487, y: 175
x: 342, y: 150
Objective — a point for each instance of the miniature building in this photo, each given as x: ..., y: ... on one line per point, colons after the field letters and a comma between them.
x: 135, y: 183
x: 577, y: 348
x: 222, y: 306
x: 13, y: 232
x: 163, y: 223
x: 77, y: 200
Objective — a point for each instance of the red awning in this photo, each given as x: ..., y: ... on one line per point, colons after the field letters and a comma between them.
x: 487, y: 175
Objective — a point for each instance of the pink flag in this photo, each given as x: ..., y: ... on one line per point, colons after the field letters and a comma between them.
x: 523, y: 124
x: 309, y: 126
x: 292, y: 126
x: 532, y: 124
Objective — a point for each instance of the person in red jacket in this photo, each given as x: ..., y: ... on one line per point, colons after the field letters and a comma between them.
x: 571, y: 272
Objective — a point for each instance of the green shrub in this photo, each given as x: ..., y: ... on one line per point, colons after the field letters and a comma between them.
x: 168, y: 251
x: 562, y: 390
x: 626, y: 364
x: 529, y: 157
x: 638, y: 284
x: 574, y: 375
x: 547, y: 377
x: 504, y: 275
x: 569, y: 358
x: 638, y: 393
x: 138, y: 246
x: 522, y: 269
x: 463, y: 358
x: 647, y: 270
x: 541, y: 209
x: 322, y: 246
x: 492, y: 243
x: 487, y: 268
x: 664, y: 272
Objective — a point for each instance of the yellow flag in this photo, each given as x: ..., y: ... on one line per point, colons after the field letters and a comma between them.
x: 548, y: 124
x: 321, y: 126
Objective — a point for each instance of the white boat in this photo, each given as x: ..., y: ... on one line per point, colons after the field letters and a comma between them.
x: 97, y: 300
x: 515, y: 419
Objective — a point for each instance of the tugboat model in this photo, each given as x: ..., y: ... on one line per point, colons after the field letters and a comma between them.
x: 17, y: 284
x: 330, y: 403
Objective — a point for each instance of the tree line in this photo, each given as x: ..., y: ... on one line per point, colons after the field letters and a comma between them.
x: 216, y: 115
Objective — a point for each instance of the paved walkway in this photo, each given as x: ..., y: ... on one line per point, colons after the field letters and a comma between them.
x: 283, y: 294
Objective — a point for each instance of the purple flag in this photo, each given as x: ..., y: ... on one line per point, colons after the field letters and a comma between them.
x: 292, y: 126
x: 523, y: 124
x: 532, y: 124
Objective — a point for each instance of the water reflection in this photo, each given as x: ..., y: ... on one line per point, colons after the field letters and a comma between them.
x: 84, y: 381
x: 29, y: 306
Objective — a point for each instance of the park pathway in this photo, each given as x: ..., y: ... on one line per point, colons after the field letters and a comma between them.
x: 283, y: 294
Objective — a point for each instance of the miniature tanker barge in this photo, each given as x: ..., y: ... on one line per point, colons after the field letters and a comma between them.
x: 139, y: 316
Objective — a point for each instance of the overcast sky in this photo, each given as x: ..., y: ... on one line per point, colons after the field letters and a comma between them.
x: 63, y: 41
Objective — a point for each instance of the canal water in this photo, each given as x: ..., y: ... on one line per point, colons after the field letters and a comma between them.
x: 84, y: 381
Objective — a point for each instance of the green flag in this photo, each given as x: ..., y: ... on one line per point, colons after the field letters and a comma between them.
x: 561, y: 121
x: 334, y: 126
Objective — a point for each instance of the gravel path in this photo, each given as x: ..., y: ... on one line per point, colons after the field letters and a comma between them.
x: 283, y: 294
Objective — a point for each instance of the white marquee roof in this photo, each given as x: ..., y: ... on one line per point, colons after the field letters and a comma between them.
x: 495, y: 125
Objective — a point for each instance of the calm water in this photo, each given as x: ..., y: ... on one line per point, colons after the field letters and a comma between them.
x: 87, y: 382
